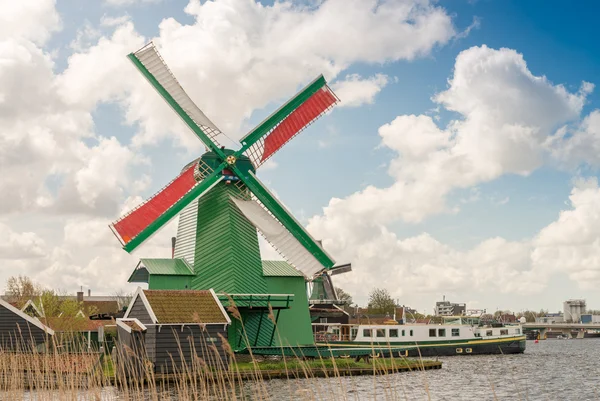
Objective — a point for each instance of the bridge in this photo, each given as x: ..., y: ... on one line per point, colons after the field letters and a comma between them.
x: 565, y: 328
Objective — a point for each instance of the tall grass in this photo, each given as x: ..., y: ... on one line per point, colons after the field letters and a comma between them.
x: 66, y: 368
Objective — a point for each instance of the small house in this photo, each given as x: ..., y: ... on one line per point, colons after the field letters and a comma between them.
x: 19, y: 331
x: 170, y: 328
x: 163, y: 274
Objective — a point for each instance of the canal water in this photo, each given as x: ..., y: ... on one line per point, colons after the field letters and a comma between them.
x: 549, y: 370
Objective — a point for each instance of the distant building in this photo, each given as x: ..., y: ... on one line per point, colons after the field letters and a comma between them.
x: 551, y: 318
x: 589, y: 318
x: 573, y: 309
x: 447, y: 308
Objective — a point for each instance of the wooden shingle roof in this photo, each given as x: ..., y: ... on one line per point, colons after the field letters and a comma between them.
x: 187, y: 306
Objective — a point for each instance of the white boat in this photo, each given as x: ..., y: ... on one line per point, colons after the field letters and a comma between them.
x: 457, y: 335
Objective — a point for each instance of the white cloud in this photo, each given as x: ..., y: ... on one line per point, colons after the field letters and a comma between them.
x: 15, y: 245
x: 507, y: 116
x: 572, y: 243
x: 123, y: 3
x: 33, y: 20
x: 108, y: 21
x: 262, y: 54
x: 355, y: 91
x: 55, y: 164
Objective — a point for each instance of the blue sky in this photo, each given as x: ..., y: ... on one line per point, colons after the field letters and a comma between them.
x: 433, y: 233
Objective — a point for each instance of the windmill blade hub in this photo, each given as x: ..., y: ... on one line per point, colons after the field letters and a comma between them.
x: 231, y: 159
x: 210, y: 160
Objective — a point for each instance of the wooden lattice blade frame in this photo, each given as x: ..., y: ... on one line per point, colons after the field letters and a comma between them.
x: 289, y: 120
x: 147, y: 219
x: 149, y: 62
x: 273, y: 206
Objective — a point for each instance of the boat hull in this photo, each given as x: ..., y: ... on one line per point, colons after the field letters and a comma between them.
x: 515, y: 345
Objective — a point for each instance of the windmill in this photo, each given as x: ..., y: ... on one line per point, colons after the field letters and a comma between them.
x: 222, y: 202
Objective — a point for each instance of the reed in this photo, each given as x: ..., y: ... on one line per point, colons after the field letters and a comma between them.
x: 68, y: 369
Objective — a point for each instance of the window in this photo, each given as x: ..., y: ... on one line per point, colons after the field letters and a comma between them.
x: 503, y: 332
x: 336, y: 331
x: 489, y: 333
x: 322, y: 320
x: 441, y: 332
x: 455, y: 332
x: 393, y: 332
x: 431, y: 332
x: 353, y: 332
x: 517, y: 331
x: 411, y: 333
x: 380, y: 333
x: 367, y: 333
x: 477, y: 334
x: 404, y: 332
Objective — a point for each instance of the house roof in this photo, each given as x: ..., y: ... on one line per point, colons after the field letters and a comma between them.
x: 187, y: 306
x: 131, y: 325
x: 175, y: 267
x: 279, y: 268
x: 161, y: 267
x: 100, y: 307
x: 74, y: 323
x: 25, y: 316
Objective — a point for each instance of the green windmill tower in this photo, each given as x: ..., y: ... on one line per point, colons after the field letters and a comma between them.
x: 222, y: 205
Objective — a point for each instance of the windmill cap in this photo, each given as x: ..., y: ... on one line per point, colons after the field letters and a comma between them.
x: 213, y: 161
x: 243, y: 161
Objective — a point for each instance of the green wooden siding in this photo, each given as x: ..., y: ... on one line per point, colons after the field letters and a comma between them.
x: 294, y: 325
x: 164, y: 282
x: 227, y: 257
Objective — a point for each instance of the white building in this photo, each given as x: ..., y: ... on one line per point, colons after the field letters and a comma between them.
x: 447, y: 308
x: 573, y: 309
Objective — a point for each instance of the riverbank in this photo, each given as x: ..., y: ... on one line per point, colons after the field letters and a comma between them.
x: 301, y: 369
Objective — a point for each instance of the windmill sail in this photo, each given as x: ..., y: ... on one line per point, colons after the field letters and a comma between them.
x: 185, y: 246
x: 150, y: 216
x: 148, y: 60
x: 278, y: 236
x: 288, y: 121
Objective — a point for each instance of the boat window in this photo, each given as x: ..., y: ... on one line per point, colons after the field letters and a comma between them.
x: 455, y: 332
x: 393, y: 332
x: 477, y: 334
x: 404, y: 333
x: 504, y: 332
x: 353, y: 332
x: 367, y: 333
x: 380, y: 332
x: 489, y: 333
x: 431, y: 332
x: 411, y: 333
x: 517, y: 331
x: 441, y: 332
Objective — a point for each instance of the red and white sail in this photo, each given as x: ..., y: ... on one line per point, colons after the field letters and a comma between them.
x: 301, y: 117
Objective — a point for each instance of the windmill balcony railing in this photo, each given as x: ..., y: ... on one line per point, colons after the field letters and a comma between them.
x: 257, y: 301
x: 327, y: 302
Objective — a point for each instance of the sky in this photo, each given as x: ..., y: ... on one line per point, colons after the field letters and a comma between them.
x: 462, y: 160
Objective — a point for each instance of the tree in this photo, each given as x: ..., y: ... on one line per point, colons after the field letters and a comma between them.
x: 343, y: 296
x: 380, y: 301
x: 20, y: 289
x: 123, y: 298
